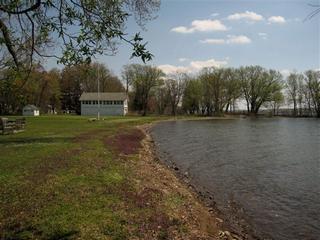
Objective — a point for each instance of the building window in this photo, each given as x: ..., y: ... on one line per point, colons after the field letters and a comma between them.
x: 118, y: 102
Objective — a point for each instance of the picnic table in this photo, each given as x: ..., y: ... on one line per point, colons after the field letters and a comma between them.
x: 12, y: 126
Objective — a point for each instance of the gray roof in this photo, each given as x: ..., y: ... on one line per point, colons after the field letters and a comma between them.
x: 103, y: 96
x: 30, y: 107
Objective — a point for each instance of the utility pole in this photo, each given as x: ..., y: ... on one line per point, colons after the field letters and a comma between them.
x: 98, y: 78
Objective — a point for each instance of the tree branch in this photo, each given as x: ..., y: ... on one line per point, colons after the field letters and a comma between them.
x: 32, y: 8
x: 8, y: 42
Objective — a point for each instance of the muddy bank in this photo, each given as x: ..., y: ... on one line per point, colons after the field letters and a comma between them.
x: 201, y: 214
x: 230, y: 225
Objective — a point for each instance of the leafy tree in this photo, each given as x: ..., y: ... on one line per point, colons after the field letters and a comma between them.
x: 192, y: 96
x: 258, y: 86
x: 42, y: 90
x: 8, y: 88
x: 83, y: 28
x: 145, y: 79
x: 84, y: 78
x: 214, y: 88
x: 277, y: 99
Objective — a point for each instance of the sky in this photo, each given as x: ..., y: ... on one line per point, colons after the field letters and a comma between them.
x: 190, y: 34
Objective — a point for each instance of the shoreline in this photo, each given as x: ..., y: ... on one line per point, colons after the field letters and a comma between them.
x: 225, y: 227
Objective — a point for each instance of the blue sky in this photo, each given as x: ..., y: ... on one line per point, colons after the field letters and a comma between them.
x: 188, y: 35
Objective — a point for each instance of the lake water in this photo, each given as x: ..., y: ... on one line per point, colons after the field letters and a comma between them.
x: 269, y: 167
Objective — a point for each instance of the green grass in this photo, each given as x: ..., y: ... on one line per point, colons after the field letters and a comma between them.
x: 59, y: 180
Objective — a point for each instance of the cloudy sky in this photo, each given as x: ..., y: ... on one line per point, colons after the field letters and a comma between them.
x: 190, y: 34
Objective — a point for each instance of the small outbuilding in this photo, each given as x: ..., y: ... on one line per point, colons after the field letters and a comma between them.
x: 30, y: 110
x: 106, y: 103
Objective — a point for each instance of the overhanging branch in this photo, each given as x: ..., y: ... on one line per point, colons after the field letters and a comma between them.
x: 31, y: 8
x: 8, y: 42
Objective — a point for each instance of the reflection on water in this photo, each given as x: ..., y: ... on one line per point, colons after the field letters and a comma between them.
x: 270, y: 167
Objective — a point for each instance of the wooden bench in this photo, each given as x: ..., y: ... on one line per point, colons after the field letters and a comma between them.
x: 12, y: 126
x: 20, y: 124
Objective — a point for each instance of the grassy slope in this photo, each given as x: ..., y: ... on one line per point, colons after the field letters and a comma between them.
x: 60, y: 179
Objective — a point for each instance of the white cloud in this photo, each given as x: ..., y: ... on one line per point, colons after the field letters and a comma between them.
x: 276, y: 19
x: 241, y: 39
x: 198, y: 65
x: 182, y: 29
x: 168, y: 69
x: 194, y: 66
x: 215, y: 14
x: 183, y: 59
x: 264, y: 36
x: 285, y: 72
x: 213, y: 41
x: 231, y: 39
x: 208, y: 25
x: 247, y: 15
x: 201, y: 26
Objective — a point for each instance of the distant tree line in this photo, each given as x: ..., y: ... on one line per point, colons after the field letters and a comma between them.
x: 216, y: 91
x: 211, y: 92
x: 303, y: 91
x: 54, y: 90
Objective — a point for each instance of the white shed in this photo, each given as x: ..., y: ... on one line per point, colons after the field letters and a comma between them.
x: 111, y: 103
x: 30, y: 110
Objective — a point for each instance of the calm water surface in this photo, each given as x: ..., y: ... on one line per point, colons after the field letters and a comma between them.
x: 269, y: 167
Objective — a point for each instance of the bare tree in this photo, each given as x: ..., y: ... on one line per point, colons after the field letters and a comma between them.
x: 175, y: 86
x: 292, y: 85
x: 128, y: 75
x: 161, y: 97
x: 313, y: 86
x: 232, y: 85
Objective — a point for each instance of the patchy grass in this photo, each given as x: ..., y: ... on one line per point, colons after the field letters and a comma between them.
x: 67, y: 178
x: 125, y: 143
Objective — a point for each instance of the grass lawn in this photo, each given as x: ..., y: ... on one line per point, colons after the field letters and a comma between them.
x: 68, y: 178
x: 59, y: 180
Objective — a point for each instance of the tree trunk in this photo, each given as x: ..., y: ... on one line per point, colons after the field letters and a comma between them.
x: 227, y: 107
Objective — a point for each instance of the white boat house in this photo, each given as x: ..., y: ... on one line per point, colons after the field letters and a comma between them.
x: 111, y: 103
x: 30, y: 110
